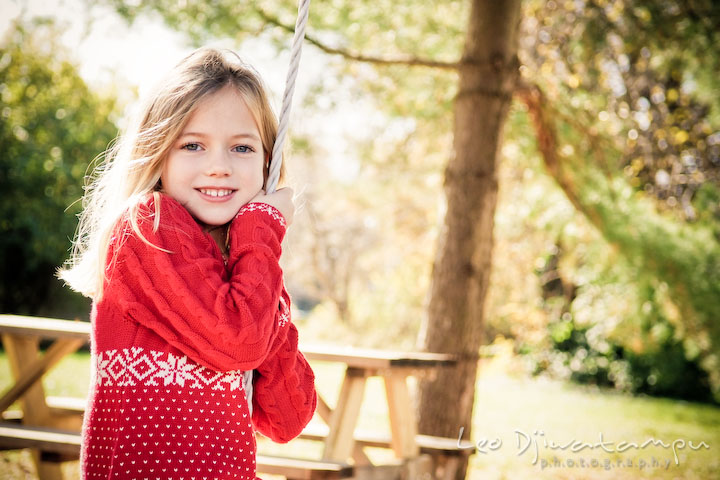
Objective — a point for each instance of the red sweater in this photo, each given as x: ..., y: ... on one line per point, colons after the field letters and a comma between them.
x: 171, y: 337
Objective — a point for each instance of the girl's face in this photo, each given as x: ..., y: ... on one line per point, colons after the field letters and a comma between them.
x: 216, y: 164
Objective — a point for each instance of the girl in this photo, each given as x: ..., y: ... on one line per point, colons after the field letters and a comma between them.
x: 179, y: 246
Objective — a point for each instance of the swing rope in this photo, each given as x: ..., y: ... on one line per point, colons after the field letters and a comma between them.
x: 276, y: 160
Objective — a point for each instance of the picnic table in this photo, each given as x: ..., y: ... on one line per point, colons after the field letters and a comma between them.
x: 51, y: 427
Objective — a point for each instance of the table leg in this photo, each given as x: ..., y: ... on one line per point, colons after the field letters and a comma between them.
x: 27, y: 369
x: 22, y: 352
x: 403, y: 422
x: 323, y: 409
x: 325, y: 413
x: 340, y: 440
x: 33, y: 368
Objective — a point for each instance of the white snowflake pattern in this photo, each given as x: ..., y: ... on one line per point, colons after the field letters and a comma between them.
x: 136, y: 366
x: 102, y: 367
x: 175, y: 370
x: 284, y: 313
x: 264, y: 207
x: 234, y: 378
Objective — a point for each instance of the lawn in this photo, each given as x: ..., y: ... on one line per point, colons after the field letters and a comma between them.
x: 524, y: 428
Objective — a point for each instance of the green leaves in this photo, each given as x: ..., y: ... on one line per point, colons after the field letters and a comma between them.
x: 51, y: 127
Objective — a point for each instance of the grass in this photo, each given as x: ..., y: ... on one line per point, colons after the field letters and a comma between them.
x: 511, y: 412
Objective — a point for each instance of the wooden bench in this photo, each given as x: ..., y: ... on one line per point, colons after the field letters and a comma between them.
x: 428, y: 444
x: 443, y: 452
x: 61, y: 445
x: 301, y: 469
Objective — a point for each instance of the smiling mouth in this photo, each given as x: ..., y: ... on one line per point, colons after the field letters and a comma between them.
x: 216, y: 192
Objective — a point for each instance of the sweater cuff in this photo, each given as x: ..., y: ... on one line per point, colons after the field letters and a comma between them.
x: 266, y: 208
x: 258, y: 222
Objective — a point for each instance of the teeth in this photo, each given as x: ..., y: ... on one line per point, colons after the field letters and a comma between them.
x: 215, y: 192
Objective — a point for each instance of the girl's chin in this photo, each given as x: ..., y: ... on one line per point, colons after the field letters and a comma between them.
x: 208, y: 224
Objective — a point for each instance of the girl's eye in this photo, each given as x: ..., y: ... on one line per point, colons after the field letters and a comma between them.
x: 243, y: 149
x: 193, y: 147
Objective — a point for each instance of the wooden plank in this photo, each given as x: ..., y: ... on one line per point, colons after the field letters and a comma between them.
x: 426, y: 443
x: 441, y: 445
x: 302, y: 469
x: 66, y: 413
x: 70, y: 405
x: 35, y: 368
x: 44, y: 327
x: 340, y: 441
x: 13, y: 436
x: 403, y: 422
x: 375, y: 359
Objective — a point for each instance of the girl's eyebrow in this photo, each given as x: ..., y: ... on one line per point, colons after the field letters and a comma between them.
x: 251, y: 136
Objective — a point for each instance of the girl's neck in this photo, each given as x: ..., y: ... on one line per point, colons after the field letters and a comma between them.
x: 218, y: 233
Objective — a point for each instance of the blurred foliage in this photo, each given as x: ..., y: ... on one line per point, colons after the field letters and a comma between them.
x: 643, y: 74
x: 582, y: 354
x: 635, y: 122
x: 622, y: 291
x: 649, y: 357
x: 52, y: 126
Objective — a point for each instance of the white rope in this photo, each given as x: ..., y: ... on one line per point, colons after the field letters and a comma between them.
x: 276, y: 160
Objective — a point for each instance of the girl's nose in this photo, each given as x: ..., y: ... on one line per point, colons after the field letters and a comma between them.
x: 219, y: 165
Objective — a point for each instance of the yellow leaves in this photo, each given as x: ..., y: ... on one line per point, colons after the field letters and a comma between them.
x: 637, y: 164
x: 680, y: 136
x: 573, y: 81
x: 642, y: 14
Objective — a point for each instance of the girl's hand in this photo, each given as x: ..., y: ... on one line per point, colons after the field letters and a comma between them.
x: 281, y: 199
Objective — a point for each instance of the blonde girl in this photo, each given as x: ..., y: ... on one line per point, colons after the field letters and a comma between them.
x: 178, y: 246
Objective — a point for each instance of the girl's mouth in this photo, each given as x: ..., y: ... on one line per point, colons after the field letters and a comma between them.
x: 216, y: 192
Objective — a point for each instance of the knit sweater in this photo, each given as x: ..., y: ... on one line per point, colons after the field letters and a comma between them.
x: 171, y: 337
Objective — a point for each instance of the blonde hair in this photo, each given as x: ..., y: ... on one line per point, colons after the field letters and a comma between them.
x: 132, y: 166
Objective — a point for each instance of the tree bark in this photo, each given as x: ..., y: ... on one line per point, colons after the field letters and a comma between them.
x: 454, y: 323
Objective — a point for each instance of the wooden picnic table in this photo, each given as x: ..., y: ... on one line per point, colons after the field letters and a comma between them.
x: 21, y: 336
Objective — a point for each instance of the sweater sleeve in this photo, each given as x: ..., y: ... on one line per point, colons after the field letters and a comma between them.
x: 175, y: 283
x: 284, y: 396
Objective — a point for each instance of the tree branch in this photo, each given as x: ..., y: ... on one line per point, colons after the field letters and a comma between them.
x: 357, y: 57
x: 547, y: 143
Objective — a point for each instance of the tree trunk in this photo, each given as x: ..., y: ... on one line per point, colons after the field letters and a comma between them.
x: 454, y: 323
